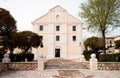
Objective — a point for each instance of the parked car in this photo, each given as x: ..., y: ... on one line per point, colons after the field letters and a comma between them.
x: 108, y: 52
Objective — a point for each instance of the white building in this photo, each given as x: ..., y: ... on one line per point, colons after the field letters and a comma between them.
x: 61, y: 34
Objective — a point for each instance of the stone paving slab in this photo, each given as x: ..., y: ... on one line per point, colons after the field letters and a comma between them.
x: 51, y: 73
x: 29, y: 74
x: 100, y: 74
x: 106, y: 74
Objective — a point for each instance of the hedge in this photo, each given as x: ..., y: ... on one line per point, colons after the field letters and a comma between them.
x: 109, y: 57
x: 103, y: 58
x: 21, y: 57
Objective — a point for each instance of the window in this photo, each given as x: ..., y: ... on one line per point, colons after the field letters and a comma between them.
x: 41, y: 44
x: 74, y: 38
x: 57, y: 17
x: 57, y: 28
x: 41, y: 38
x: 41, y: 28
x: 57, y: 38
x: 74, y: 28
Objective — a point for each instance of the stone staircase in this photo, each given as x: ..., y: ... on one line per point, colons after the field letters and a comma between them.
x: 63, y: 64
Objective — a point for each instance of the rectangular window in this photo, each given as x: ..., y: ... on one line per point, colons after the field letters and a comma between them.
x: 57, y: 28
x: 41, y: 38
x: 74, y: 28
x: 74, y: 38
x: 41, y: 28
x: 57, y: 38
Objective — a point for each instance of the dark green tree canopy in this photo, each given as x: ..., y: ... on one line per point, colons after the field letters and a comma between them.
x: 94, y: 43
x: 28, y: 39
x: 7, y: 22
x: 117, y: 44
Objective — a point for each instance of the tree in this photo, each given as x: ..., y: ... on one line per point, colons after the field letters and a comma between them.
x: 94, y: 43
x: 9, y: 44
x: 117, y: 44
x: 7, y: 23
x: 7, y: 27
x: 100, y: 15
x: 29, y: 39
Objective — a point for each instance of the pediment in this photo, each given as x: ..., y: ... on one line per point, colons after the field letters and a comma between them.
x: 57, y: 8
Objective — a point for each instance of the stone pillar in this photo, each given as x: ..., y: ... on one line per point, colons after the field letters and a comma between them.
x: 82, y: 58
x: 6, y: 58
x: 41, y: 62
x: 93, y: 63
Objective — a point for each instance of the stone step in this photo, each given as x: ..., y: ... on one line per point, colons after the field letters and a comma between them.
x: 66, y: 77
x: 65, y: 67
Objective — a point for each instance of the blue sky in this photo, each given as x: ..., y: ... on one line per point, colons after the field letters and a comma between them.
x: 26, y: 11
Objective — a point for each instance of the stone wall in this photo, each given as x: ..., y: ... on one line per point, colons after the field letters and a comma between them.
x: 3, y: 67
x: 108, y: 65
x: 22, y: 66
x: 18, y: 66
x: 86, y: 64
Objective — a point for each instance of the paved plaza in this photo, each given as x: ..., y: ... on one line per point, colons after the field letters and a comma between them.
x: 52, y: 73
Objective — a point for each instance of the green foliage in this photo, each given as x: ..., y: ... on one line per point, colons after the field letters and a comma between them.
x: 10, y: 39
x: 101, y: 15
x: 94, y: 43
x: 87, y: 54
x: 7, y: 22
x: 7, y: 27
x: 21, y: 57
x: 117, y: 44
x: 1, y: 56
x: 109, y: 57
x: 29, y: 39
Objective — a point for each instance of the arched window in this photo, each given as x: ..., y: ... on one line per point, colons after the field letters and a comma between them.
x: 57, y: 17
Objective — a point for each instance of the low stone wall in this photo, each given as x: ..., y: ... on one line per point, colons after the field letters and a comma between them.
x: 18, y: 66
x: 3, y: 67
x: 86, y: 64
x: 108, y: 65
x: 22, y: 65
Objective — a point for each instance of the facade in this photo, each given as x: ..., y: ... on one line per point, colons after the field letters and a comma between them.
x: 110, y: 45
x: 117, y: 38
x: 61, y: 34
x: 110, y: 42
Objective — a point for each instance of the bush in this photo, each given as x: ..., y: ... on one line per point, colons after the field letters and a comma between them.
x: 109, y: 57
x: 87, y: 54
x: 30, y: 56
x: 21, y: 57
x: 1, y: 56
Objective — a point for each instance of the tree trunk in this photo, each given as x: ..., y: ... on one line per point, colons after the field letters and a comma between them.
x: 104, y: 42
x: 11, y: 50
